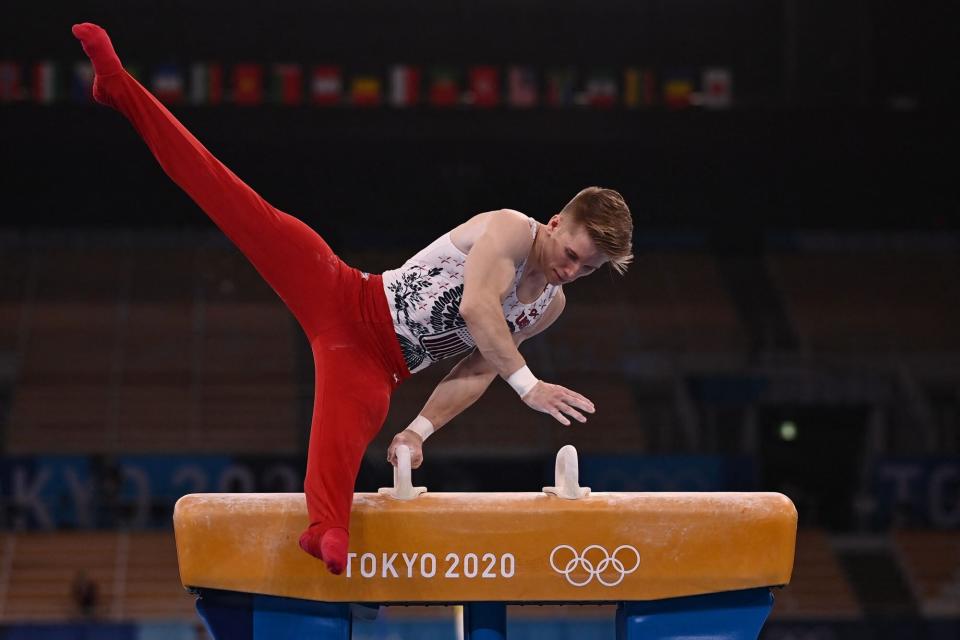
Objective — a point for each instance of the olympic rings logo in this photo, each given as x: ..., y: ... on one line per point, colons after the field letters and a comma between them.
x: 595, y: 565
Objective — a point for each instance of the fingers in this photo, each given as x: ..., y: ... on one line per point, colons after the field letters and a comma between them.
x: 415, y: 462
x: 416, y: 456
x: 573, y: 413
x: 392, y: 454
x: 574, y: 399
x: 560, y: 402
x: 570, y: 401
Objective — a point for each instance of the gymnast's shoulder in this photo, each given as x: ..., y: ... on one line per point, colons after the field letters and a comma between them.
x: 498, y: 221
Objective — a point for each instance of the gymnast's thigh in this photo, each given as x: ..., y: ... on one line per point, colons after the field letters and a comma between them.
x: 352, y: 389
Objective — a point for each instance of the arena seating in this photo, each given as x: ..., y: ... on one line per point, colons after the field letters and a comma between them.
x: 871, y: 301
x: 151, y: 590
x: 42, y: 567
x: 197, y: 356
x: 678, y: 303
x: 135, y: 574
x: 931, y: 561
x: 15, y: 266
x: 155, y: 346
x: 819, y: 588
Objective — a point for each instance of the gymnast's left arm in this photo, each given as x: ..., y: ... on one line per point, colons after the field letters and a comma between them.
x: 459, y: 389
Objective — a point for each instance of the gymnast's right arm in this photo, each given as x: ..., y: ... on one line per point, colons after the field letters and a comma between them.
x: 490, y: 270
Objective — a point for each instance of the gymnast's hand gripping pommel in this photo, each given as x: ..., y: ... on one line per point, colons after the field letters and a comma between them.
x: 402, y: 488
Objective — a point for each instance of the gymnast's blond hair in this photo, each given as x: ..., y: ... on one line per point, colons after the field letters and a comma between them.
x: 606, y: 218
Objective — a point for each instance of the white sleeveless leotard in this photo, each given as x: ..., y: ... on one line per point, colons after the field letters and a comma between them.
x: 424, y: 297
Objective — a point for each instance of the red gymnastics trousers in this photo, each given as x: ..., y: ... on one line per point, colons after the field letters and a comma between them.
x: 344, y: 313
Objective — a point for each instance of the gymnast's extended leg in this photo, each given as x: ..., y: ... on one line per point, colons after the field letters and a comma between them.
x: 286, y: 252
x: 313, y: 282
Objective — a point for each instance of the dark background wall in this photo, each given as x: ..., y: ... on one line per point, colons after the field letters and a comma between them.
x: 843, y: 116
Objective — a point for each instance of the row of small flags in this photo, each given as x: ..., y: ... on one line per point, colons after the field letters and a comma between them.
x: 479, y: 86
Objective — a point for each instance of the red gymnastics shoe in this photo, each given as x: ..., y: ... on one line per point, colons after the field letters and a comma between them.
x: 332, y: 547
x: 96, y: 44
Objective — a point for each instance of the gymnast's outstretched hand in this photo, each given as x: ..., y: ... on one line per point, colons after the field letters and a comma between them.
x: 412, y: 440
x: 557, y: 401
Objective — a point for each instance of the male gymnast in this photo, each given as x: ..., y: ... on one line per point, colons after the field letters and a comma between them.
x: 481, y: 289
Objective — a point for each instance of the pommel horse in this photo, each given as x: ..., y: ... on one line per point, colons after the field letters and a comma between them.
x: 678, y: 565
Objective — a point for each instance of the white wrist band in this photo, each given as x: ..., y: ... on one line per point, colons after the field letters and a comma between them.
x: 522, y: 380
x: 422, y: 427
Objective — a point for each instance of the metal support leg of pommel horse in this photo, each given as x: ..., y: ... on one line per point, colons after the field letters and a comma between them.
x: 679, y: 565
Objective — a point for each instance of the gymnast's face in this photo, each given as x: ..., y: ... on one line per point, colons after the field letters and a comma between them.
x: 569, y: 253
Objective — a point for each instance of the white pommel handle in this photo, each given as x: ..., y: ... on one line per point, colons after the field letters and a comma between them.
x: 568, y: 476
x: 402, y: 488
